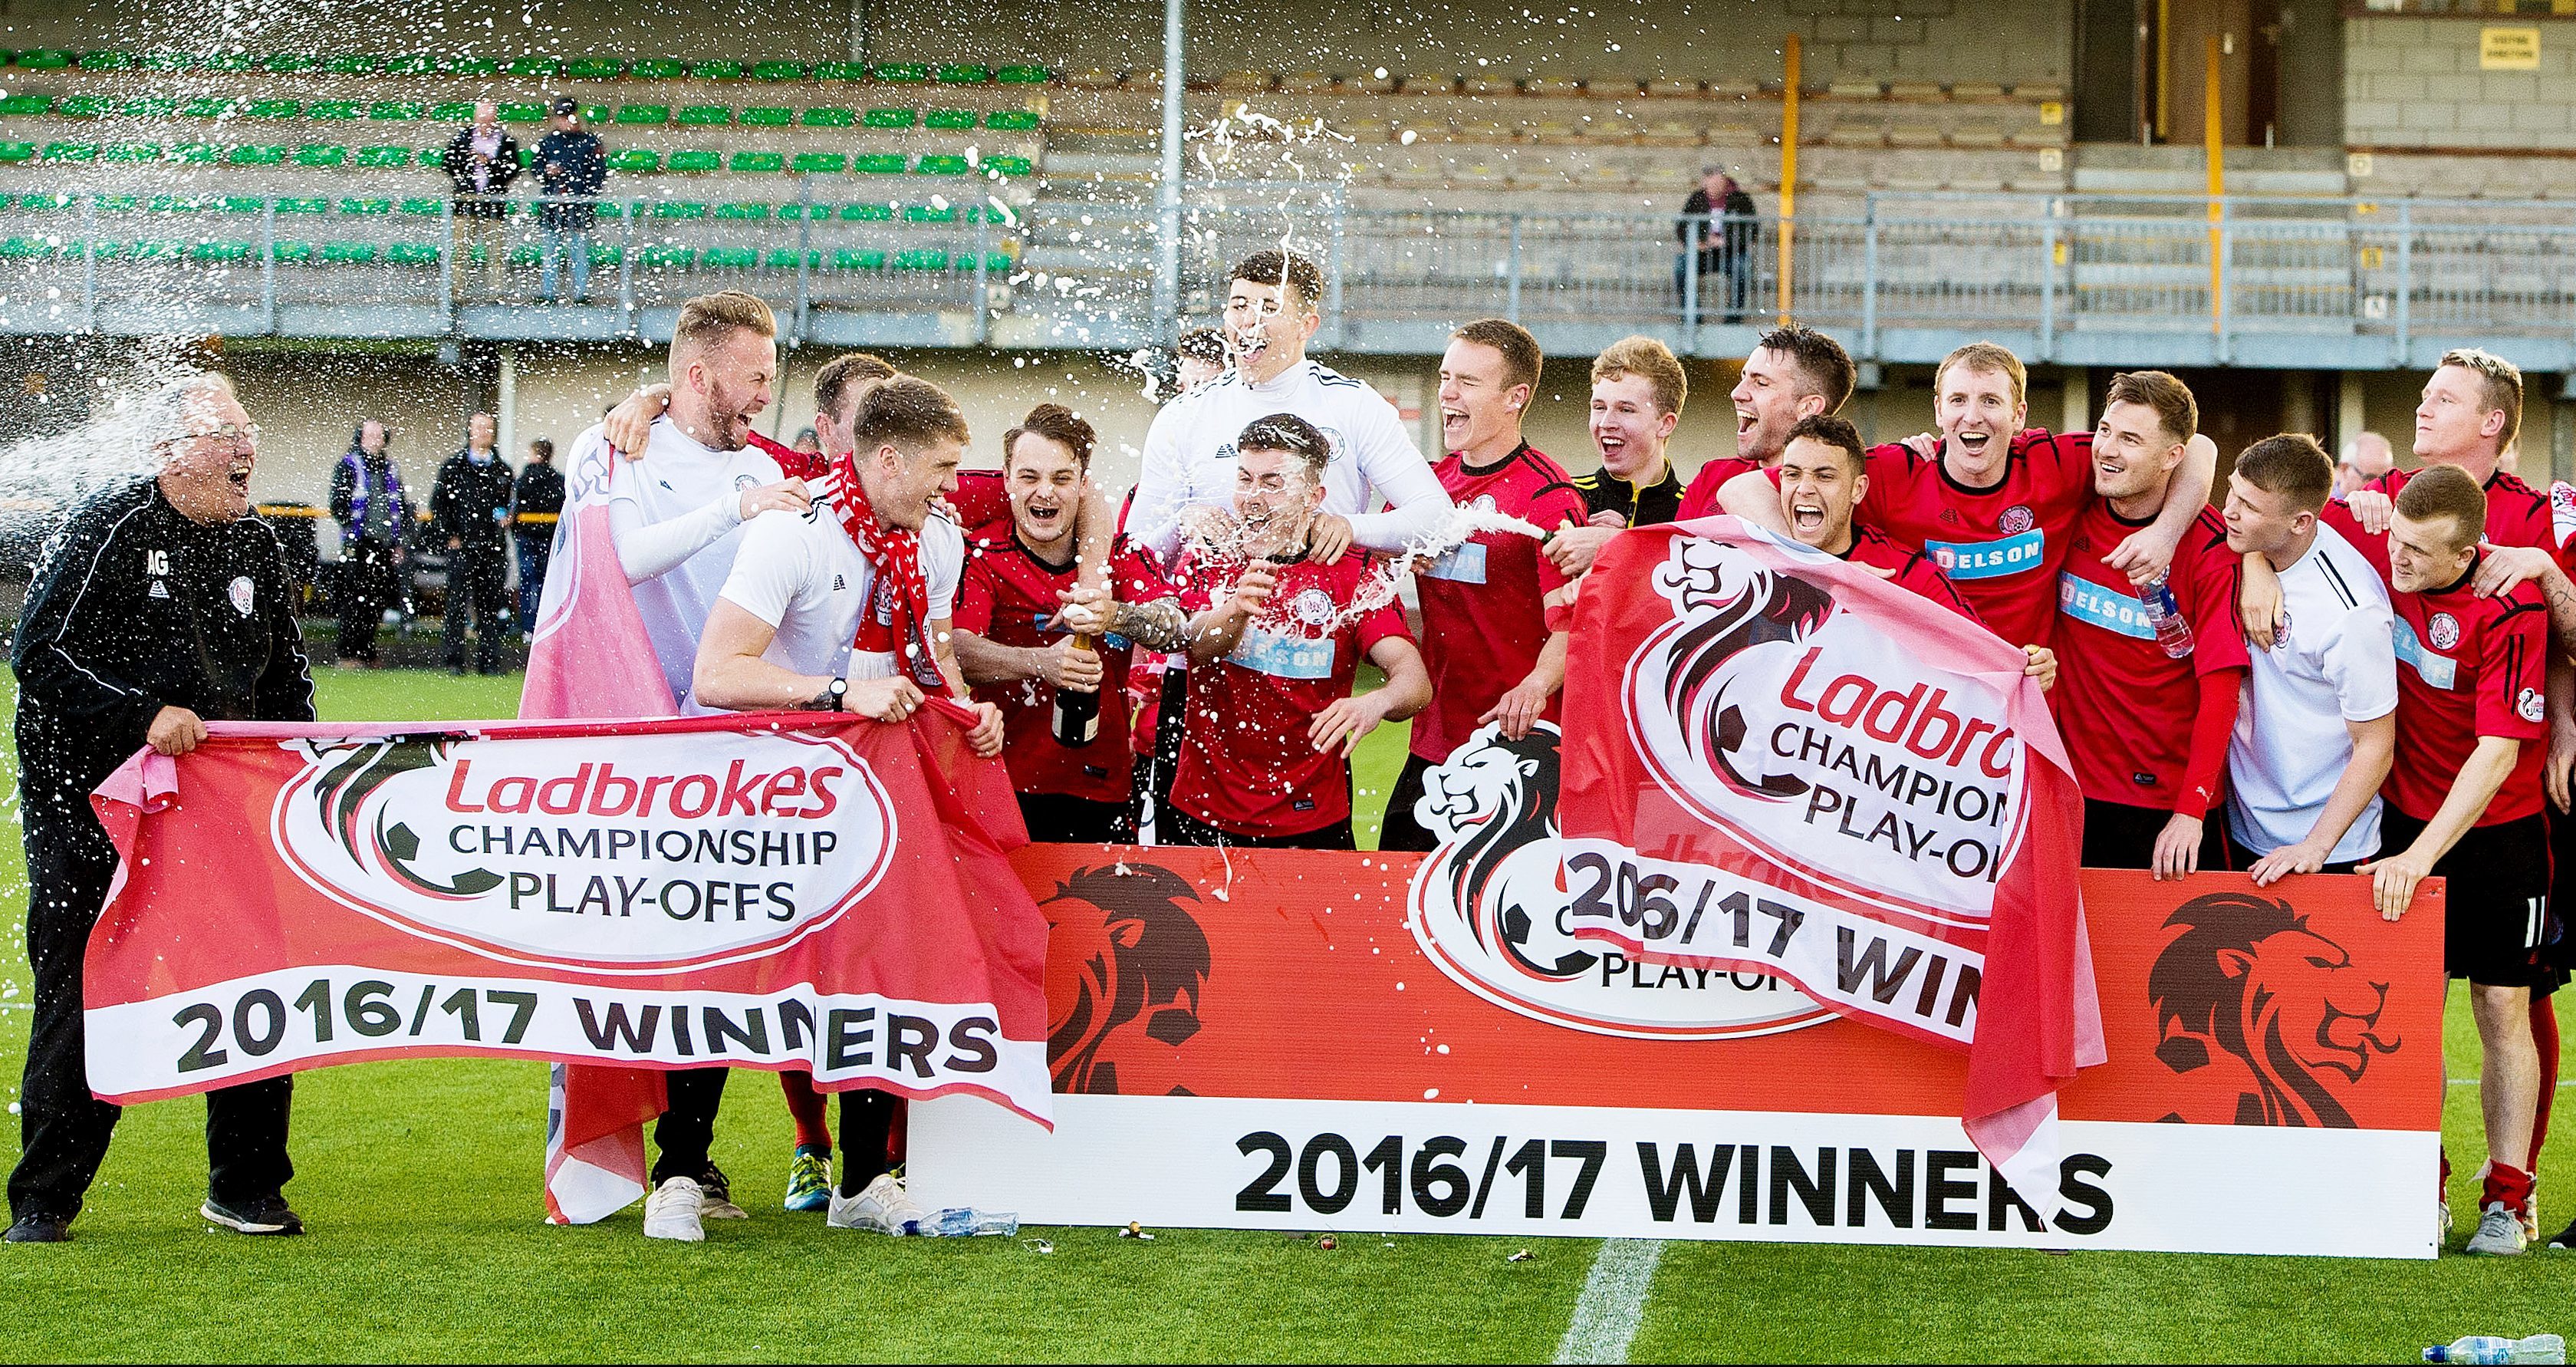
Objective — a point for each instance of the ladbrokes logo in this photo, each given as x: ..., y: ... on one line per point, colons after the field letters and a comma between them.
x: 649, y: 853
x: 1487, y: 908
x: 1818, y: 740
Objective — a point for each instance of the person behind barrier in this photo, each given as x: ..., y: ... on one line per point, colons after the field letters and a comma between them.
x: 536, y: 505
x: 160, y: 606
x: 469, y: 507
x: 374, y: 512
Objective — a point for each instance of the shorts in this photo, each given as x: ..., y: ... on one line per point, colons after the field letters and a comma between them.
x: 2120, y: 836
x: 2498, y: 896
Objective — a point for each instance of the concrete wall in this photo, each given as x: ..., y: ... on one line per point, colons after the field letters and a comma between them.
x: 2415, y: 83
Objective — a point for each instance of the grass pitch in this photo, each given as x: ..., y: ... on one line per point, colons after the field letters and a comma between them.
x: 420, y: 1183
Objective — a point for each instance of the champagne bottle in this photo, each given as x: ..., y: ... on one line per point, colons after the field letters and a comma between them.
x: 1077, y: 713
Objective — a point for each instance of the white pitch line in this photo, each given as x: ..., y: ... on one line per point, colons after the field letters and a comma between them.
x: 1613, y: 1301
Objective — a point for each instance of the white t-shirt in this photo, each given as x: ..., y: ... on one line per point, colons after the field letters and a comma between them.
x: 676, y: 516
x: 1189, y: 456
x: 800, y: 573
x: 2335, y: 663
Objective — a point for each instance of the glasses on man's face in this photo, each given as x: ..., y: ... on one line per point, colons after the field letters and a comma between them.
x: 227, y: 436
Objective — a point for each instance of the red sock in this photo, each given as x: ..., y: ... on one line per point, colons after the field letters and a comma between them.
x: 2544, y: 1035
x: 2510, y: 1185
x: 805, y: 1105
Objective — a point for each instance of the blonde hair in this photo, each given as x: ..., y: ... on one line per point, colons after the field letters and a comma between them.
x: 2503, y: 387
x: 1986, y: 358
x: 710, y: 318
x: 1651, y: 361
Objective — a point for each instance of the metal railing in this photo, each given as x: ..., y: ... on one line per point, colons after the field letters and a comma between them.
x: 2055, y: 267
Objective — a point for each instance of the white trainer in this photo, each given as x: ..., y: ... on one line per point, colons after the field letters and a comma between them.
x: 673, y: 1211
x: 2499, y: 1232
x: 884, y: 1207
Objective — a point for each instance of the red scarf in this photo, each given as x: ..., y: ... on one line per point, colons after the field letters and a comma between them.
x: 896, y: 620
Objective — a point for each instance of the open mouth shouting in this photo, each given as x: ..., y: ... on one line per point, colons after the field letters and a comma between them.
x: 1249, y: 344
x: 1806, y: 516
x: 1453, y: 426
x: 1045, y: 516
x: 1745, y: 421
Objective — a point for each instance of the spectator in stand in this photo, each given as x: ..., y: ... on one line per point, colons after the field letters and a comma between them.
x: 374, y: 513
x: 571, y: 168
x: 1201, y: 358
x: 535, y: 505
x: 470, y: 505
x: 2366, y: 457
x: 481, y: 161
x: 1719, y: 221
x: 807, y: 442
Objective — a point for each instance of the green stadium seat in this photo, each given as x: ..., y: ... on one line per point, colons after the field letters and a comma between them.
x: 471, y: 66
x: 41, y: 203
x: 352, y: 252
x: 891, y: 118
x: 13, y: 153
x: 288, y: 63
x: 634, y: 159
x: 867, y: 213
x: 729, y: 258
x: 795, y: 213
x: 606, y: 254
x: 244, y: 204
x: 840, y: 71
x: 292, y: 253
x: 758, y: 161
x: 431, y: 157
x: 303, y: 204
x: 900, y: 73
x: 949, y: 119
x: 964, y: 73
x: 858, y: 259
x: 333, y: 111
x: 705, y: 115
x: 657, y: 69
x: 1009, y: 166
x: 941, y: 164
x: 27, y: 104
x: 366, y: 208
x: 722, y: 70
x: 423, y: 207
x: 696, y: 161
x: 817, y: 117
x: 523, y: 111
x: 352, y: 64
x: 527, y: 155
x: 768, y: 116
x: 150, y: 107
x: 403, y: 110
x: 84, y: 107
x: 595, y: 68
x: 878, y: 163
x: 1023, y: 74
x: 922, y: 259
x: 525, y: 254
x: 679, y: 208
x: 26, y: 249
x: 743, y: 212
x: 384, y: 157
x: 666, y: 256
x: 255, y: 154
x: 412, y: 254
x: 196, y: 154
x: 275, y: 109
x: 788, y: 259
x: 71, y: 152
x: 212, y: 107
x: 179, y: 204
x: 320, y: 156
x: 820, y: 163
x: 999, y: 261
x: 219, y: 253
x: 416, y: 64
x: 923, y: 213
x: 613, y: 209
x: 229, y: 62
x: 119, y: 204
x: 452, y: 111
x: 533, y: 66
x: 167, y: 61
x: 778, y: 71
x: 643, y: 114
x: 1013, y: 120
x: 107, y: 61
x: 45, y: 59
x: 132, y: 153
x: 104, y: 251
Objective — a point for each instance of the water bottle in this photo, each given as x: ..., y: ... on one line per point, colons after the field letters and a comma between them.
x: 963, y: 1222
x: 2490, y: 1348
x: 2165, y: 615
x: 1077, y: 713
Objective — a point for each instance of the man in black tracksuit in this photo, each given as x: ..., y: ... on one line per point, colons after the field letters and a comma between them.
x: 161, y: 604
x: 470, y: 506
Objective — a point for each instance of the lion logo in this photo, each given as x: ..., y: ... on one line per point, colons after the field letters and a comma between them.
x: 2247, y: 983
x: 1731, y: 604
x: 1142, y: 956
x: 1495, y: 800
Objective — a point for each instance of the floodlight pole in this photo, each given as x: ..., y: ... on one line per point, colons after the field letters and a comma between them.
x: 1167, y: 263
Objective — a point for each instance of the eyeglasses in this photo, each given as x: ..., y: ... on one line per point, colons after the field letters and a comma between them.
x: 246, y: 438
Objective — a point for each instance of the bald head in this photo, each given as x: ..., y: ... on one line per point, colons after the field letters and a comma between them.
x: 2366, y: 457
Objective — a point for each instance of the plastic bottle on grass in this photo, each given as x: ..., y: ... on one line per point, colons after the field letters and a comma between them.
x: 960, y: 1221
x: 2490, y: 1348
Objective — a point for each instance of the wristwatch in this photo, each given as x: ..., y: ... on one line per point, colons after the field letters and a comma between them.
x: 839, y: 689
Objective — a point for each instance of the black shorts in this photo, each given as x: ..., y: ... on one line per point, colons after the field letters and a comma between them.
x: 2557, y: 951
x: 2119, y: 836
x: 2498, y: 896
x: 1068, y: 820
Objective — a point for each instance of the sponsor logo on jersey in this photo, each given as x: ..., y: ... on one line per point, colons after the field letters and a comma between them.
x: 1463, y: 563
x: 1314, y: 607
x: 1989, y: 559
x: 2443, y: 630
x: 1283, y: 657
x: 2016, y: 519
x: 2103, y: 606
x: 2438, y: 671
x: 2528, y: 705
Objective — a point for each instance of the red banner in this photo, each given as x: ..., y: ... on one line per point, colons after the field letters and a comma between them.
x: 778, y: 892
x: 1778, y: 762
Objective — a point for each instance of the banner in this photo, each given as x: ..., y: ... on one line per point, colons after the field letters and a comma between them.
x: 1296, y: 1040
x: 1768, y: 772
x: 781, y: 891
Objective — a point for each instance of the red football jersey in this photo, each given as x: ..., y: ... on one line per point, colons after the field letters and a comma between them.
x: 1700, y: 499
x: 1006, y: 597
x: 2468, y: 667
x: 1911, y: 570
x: 2003, y: 545
x: 2517, y: 515
x: 1246, y: 765
x: 1484, y: 611
x: 982, y: 497
x: 2125, y: 707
